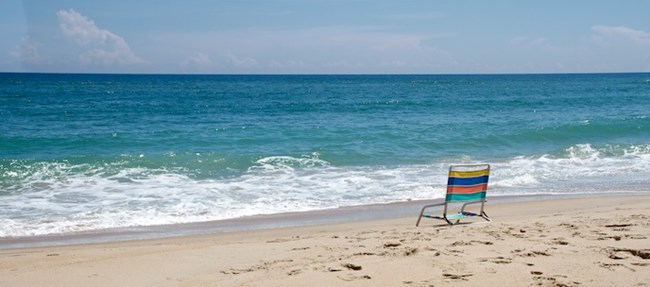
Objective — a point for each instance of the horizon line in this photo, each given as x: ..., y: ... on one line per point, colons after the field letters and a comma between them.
x: 325, y: 74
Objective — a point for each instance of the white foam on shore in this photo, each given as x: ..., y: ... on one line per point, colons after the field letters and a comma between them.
x: 57, y: 199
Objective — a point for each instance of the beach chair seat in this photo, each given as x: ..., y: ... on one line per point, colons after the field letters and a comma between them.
x: 467, y: 184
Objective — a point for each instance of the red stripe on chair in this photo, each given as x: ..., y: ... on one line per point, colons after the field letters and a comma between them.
x: 466, y: 189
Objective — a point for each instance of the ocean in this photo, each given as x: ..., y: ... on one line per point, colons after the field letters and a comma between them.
x: 88, y: 152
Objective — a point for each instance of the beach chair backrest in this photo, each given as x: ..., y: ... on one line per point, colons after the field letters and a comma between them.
x: 467, y: 182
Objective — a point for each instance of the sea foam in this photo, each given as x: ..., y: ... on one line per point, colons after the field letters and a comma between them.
x: 59, y: 197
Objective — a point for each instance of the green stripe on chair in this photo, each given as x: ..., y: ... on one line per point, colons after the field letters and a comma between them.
x: 464, y: 197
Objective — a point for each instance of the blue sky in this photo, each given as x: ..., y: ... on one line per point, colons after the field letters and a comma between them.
x: 324, y: 36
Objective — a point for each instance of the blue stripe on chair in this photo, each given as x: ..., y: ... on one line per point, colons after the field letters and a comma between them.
x: 468, y: 181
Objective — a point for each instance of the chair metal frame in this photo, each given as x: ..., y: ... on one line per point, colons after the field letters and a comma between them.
x: 462, y: 214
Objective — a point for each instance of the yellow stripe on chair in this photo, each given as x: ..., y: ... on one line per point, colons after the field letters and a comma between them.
x: 469, y: 173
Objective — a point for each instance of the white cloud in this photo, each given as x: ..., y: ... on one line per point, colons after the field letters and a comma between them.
x: 538, y: 41
x: 539, y: 44
x: 238, y: 62
x: 198, y: 60
x: 636, y: 36
x: 518, y: 40
x: 104, y: 47
x: 28, y: 52
x: 531, y: 42
x: 340, y: 63
x: 328, y: 49
x: 291, y: 64
x: 394, y: 63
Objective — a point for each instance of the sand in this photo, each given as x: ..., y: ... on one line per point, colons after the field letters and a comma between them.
x: 602, y: 241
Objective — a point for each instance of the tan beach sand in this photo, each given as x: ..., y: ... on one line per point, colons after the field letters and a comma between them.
x: 603, y: 241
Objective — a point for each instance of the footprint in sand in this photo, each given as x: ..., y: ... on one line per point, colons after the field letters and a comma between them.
x: 496, y: 260
x: 294, y: 272
x: 350, y: 277
x: 610, y: 266
x: 534, y: 253
x: 560, y: 241
x: 552, y: 281
x: 418, y: 284
x: 352, y: 266
x: 457, y: 276
x: 471, y: 242
x: 265, y: 265
x: 615, y: 253
x: 349, y: 266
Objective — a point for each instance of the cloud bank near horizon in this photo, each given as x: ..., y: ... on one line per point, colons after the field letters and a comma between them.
x: 298, y: 37
x: 100, y: 46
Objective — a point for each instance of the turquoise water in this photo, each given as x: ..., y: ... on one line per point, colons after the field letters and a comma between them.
x: 86, y: 152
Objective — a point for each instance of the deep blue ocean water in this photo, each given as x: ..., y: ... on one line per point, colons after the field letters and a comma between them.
x: 86, y: 152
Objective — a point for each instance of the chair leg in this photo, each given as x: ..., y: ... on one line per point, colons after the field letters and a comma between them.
x: 423, y: 209
x: 420, y: 217
x: 485, y: 216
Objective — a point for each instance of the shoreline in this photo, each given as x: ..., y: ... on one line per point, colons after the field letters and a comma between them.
x: 341, y: 215
x: 585, y: 241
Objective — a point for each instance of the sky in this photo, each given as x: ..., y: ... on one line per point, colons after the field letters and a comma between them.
x: 324, y: 36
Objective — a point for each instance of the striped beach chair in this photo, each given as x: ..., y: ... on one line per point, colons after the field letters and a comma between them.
x: 467, y: 183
